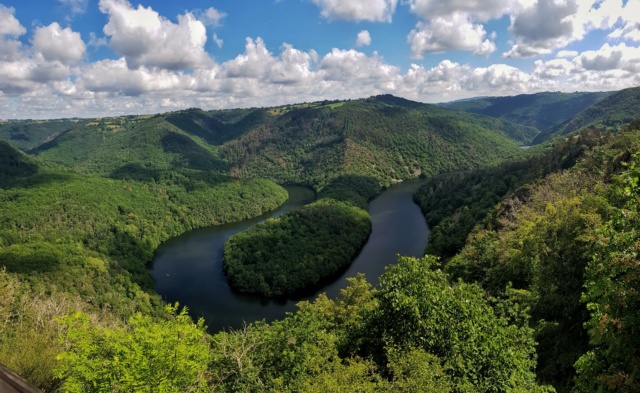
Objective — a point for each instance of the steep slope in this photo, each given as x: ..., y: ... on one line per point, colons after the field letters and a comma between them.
x: 131, y: 146
x: 610, y: 113
x: 383, y: 137
x: 542, y: 110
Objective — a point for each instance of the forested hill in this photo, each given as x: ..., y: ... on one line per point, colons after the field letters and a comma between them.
x: 383, y: 137
x: 610, y: 113
x: 542, y: 111
x: 29, y: 134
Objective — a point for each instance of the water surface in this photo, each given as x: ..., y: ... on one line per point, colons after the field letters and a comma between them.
x: 188, y: 268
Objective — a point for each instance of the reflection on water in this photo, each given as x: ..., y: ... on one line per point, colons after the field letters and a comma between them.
x: 188, y: 268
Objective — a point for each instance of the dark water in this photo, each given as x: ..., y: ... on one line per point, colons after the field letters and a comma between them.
x: 188, y: 268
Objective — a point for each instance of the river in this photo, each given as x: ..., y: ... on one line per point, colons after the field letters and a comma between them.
x: 188, y: 268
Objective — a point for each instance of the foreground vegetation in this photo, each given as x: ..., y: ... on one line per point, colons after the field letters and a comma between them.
x: 567, y: 243
x: 417, y: 332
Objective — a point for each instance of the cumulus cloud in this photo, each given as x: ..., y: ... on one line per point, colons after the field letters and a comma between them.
x: 348, y: 65
x: 114, y: 76
x: 9, y: 25
x: 543, y: 26
x: 290, y: 67
x: 10, y: 30
x: 619, y: 57
x: 552, y: 69
x: 145, y: 38
x: 57, y: 44
x: 363, y: 39
x: 357, y: 10
x: 454, y: 32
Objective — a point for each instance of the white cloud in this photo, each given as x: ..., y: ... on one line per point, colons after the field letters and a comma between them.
x: 357, y: 10
x: 217, y: 41
x: 9, y: 25
x: 363, y: 39
x: 351, y: 66
x: 145, y: 38
x: 212, y: 17
x: 567, y: 53
x: 542, y: 27
x: 75, y: 7
x: 10, y: 29
x: 630, y: 29
x: 619, y: 57
x: 291, y: 67
x: 481, y: 10
x: 114, y: 76
x: 453, y: 32
x: 552, y: 69
x: 57, y: 44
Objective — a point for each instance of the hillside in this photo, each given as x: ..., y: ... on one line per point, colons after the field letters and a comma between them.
x: 562, y: 238
x: 29, y: 134
x: 609, y: 113
x: 56, y: 224
x: 383, y: 137
x: 542, y: 111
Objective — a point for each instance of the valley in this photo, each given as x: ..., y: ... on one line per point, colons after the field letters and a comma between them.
x: 108, y: 226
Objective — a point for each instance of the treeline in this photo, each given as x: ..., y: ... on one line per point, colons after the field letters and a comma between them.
x: 417, y: 332
x: 567, y: 246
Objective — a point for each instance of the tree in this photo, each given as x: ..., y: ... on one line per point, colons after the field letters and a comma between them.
x: 613, y: 297
x: 479, y: 350
x: 143, y: 355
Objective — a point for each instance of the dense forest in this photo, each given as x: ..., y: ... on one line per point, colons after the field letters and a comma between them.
x: 529, y: 282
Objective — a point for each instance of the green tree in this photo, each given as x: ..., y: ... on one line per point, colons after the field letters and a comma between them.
x: 479, y: 349
x: 613, y: 297
x: 142, y: 356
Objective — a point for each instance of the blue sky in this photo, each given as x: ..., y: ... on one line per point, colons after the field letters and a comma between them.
x: 65, y: 58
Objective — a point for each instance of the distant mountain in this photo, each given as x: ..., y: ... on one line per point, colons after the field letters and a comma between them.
x: 382, y: 137
x: 29, y: 134
x: 608, y: 113
x: 542, y: 110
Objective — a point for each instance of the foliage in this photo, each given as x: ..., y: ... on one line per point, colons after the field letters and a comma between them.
x: 93, y: 237
x: 612, y: 297
x: 296, y: 250
x: 455, y: 203
x: 539, y: 241
x: 143, y: 356
x: 479, y: 350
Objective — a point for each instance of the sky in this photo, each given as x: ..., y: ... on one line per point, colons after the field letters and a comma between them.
x: 95, y: 58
